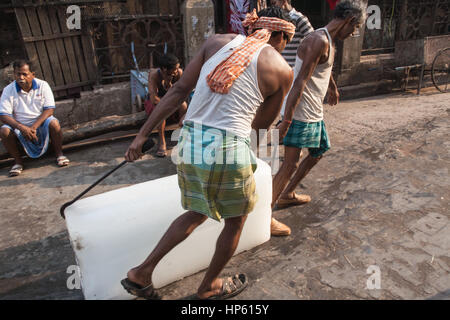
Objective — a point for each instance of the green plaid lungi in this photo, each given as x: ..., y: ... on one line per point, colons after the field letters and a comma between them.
x: 311, y: 135
x: 215, y: 172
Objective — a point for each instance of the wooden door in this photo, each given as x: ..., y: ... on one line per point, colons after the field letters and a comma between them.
x: 62, y: 57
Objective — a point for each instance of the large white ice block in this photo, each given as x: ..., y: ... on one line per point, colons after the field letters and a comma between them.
x: 115, y: 231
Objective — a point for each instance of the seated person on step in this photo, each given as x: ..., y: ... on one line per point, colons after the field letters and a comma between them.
x: 26, y: 110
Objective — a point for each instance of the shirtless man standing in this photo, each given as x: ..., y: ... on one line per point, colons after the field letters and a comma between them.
x: 160, y: 80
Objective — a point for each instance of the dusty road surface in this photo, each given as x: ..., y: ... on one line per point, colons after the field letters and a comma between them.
x: 381, y: 200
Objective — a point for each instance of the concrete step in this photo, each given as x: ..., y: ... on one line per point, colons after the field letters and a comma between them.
x: 104, y: 130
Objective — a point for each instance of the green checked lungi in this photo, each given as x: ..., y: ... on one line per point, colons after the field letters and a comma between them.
x: 311, y: 135
x: 215, y: 172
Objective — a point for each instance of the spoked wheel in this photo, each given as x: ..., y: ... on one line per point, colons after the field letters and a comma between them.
x: 440, y: 71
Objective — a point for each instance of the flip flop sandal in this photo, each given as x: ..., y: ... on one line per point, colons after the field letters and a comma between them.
x: 137, y: 290
x: 62, y: 161
x: 15, y: 170
x: 231, y: 287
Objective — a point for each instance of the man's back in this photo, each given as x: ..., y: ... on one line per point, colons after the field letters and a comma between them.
x: 310, y: 108
x: 270, y: 61
x: 266, y: 74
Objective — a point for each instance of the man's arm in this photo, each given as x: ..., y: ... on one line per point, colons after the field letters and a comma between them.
x: 270, y: 108
x: 27, y: 132
x: 6, y: 116
x: 153, y: 87
x: 7, y: 109
x: 333, y: 93
x: 40, y: 120
x: 49, y: 106
x: 311, y: 52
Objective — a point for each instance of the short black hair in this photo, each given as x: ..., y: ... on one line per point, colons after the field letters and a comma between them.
x: 22, y: 62
x: 167, y: 61
x: 347, y: 9
x: 275, y: 12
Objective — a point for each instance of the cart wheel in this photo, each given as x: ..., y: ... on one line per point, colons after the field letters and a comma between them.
x: 138, y: 103
x: 440, y: 71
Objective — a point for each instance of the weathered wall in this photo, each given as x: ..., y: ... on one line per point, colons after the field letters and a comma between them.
x: 6, y: 76
x: 351, y: 47
x: 409, y: 52
x: 11, y: 45
x: 113, y: 99
x: 370, y: 69
x: 198, y: 24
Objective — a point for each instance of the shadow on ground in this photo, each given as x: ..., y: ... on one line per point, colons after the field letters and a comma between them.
x: 38, y: 270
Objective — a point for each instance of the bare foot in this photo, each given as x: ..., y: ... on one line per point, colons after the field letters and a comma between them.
x: 292, y: 200
x: 142, y: 280
x: 279, y: 229
x: 214, y: 289
x: 162, y: 151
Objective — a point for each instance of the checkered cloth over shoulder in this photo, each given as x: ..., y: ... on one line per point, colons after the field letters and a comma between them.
x: 222, y: 77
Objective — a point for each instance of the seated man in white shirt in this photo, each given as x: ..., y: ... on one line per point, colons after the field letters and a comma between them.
x: 26, y: 109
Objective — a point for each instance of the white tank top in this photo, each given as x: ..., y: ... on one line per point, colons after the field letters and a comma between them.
x: 235, y: 110
x: 310, y: 108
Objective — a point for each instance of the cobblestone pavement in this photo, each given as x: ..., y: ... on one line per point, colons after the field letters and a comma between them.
x: 380, y: 198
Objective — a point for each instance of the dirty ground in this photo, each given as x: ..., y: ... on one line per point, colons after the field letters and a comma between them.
x: 380, y: 198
